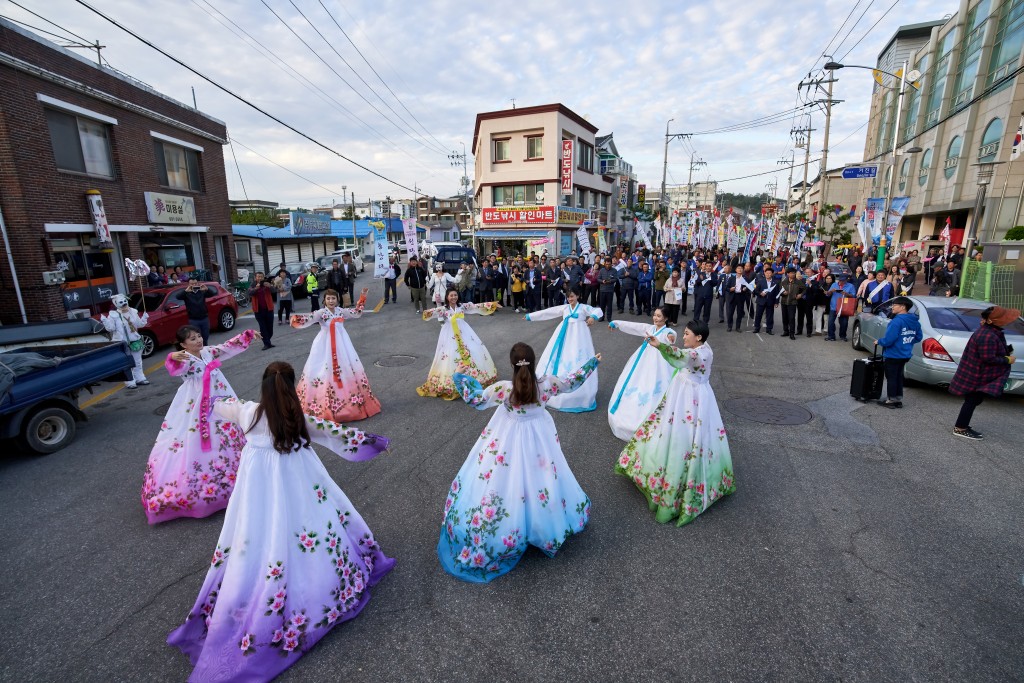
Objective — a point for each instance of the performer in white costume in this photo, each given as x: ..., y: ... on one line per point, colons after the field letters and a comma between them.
x: 123, y: 323
x: 644, y: 379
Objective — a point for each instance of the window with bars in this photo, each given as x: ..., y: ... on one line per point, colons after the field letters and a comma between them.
x: 938, y: 85
x: 952, y: 157
x: 884, y: 130
x: 1009, y: 41
x: 904, y: 172
x: 990, y: 141
x: 926, y: 165
x: 970, y: 54
x: 914, y: 101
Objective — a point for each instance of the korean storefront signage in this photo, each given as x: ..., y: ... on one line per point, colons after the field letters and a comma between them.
x: 309, y: 223
x: 623, y: 191
x: 99, y: 218
x: 519, y: 214
x: 567, y: 163
x: 170, y: 208
x: 641, y: 194
x: 567, y: 214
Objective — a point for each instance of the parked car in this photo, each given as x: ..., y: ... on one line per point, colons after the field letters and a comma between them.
x: 326, y: 262
x: 946, y: 323
x: 837, y: 267
x: 297, y: 271
x: 450, y: 255
x: 167, y: 314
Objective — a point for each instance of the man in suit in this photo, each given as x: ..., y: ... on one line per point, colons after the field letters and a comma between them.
x: 533, y: 286
x: 737, y: 291
x: 723, y: 278
x: 704, y: 292
x: 766, y: 292
x: 792, y: 295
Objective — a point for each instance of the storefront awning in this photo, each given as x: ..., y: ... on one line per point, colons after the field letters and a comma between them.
x: 511, y: 234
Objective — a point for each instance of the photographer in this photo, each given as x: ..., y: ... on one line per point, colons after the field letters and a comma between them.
x: 195, y: 296
x: 263, y: 308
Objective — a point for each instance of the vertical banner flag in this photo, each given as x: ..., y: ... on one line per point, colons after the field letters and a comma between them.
x: 945, y: 232
x: 623, y: 191
x: 567, y: 164
x: 862, y: 228
x: 602, y: 242
x: 896, y: 211
x: 409, y: 230
x: 1015, y: 151
x: 583, y: 238
x: 99, y: 218
x: 644, y: 229
x: 380, y: 249
x: 876, y: 216
x: 641, y: 194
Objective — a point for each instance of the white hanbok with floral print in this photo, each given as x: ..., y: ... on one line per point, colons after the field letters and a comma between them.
x: 643, y: 381
x: 191, y: 468
x: 293, y: 560
x: 515, y: 489
x: 333, y: 384
x: 569, y: 348
x: 679, y: 457
x: 459, y: 349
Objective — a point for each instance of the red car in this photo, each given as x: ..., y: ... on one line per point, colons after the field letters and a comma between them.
x: 167, y: 314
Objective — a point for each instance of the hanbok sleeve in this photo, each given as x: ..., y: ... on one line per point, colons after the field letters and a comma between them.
x: 429, y: 313
x: 551, y: 386
x: 592, y: 312
x: 682, y: 359
x: 629, y: 327
x: 357, y: 310
x: 230, y: 409
x: 351, y: 444
x: 474, y: 394
x: 301, y: 322
x: 234, y: 346
x: 175, y: 368
x: 480, y: 309
x: 546, y: 314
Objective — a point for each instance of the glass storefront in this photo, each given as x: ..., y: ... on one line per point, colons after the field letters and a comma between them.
x: 88, y: 271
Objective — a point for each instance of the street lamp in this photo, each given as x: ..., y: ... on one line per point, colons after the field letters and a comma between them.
x: 985, y: 171
x: 914, y: 75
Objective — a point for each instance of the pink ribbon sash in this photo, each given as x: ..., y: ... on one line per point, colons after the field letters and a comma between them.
x: 204, y: 406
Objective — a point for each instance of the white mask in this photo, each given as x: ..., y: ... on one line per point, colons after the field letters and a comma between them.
x: 119, y: 301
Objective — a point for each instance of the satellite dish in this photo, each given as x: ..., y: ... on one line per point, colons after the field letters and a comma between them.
x: 913, y: 75
x: 540, y: 196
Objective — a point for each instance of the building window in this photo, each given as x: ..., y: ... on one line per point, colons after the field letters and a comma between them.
x: 914, y: 103
x: 882, y: 144
x: 952, y: 157
x: 519, y: 195
x: 904, y: 172
x: 581, y: 198
x: 939, y: 79
x: 446, y: 237
x: 926, y: 164
x: 990, y: 141
x: 535, y: 147
x: 970, y: 54
x: 177, y: 166
x: 79, y: 144
x: 584, y: 156
x: 1009, y: 41
x: 502, y: 150
x: 242, y: 253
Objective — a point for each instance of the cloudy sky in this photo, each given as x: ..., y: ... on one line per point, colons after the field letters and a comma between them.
x: 417, y: 74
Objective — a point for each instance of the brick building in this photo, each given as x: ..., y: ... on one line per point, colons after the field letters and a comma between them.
x: 69, y: 129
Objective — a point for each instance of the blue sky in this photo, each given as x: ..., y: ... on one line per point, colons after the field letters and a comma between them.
x: 627, y: 67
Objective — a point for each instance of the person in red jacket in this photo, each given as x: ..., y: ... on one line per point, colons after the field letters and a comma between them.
x: 263, y: 308
x: 984, y: 366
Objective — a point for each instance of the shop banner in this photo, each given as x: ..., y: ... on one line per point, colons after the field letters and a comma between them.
x: 896, y: 211
x: 567, y: 164
x: 380, y: 249
x: 602, y: 242
x: 173, y: 209
x: 583, y: 238
x: 623, y: 191
x: 641, y: 194
x: 519, y: 214
x: 541, y: 242
x: 303, y: 224
x: 412, y: 245
x: 99, y: 218
x: 876, y: 217
x: 573, y: 216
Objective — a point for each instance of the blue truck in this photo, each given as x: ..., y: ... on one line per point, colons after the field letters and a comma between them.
x: 39, y: 407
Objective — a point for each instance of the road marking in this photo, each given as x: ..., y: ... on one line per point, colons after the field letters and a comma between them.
x: 380, y: 305
x: 110, y: 392
x: 759, y: 336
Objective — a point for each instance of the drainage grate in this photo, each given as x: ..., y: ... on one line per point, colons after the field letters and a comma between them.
x: 394, y: 361
x: 768, y: 410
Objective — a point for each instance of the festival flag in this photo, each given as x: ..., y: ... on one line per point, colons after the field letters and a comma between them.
x: 1015, y: 152
x: 945, y: 231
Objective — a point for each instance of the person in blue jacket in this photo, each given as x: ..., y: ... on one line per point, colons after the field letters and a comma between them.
x: 897, y: 346
x: 837, y: 290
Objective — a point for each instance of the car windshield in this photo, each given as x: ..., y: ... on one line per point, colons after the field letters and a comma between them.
x: 966, y: 320
x: 153, y: 300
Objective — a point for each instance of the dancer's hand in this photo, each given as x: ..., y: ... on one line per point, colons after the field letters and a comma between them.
x: 598, y: 357
x: 653, y: 341
x: 590, y: 321
x: 179, y: 356
x: 257, y: 335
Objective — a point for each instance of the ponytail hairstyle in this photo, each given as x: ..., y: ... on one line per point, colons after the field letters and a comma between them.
x: 524, y: 379
x: 280, y: 404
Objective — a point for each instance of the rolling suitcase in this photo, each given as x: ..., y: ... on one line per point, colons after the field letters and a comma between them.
x: 868, y: 375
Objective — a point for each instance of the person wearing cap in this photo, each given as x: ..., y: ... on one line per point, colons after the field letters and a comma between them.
x: 897, y: 344
x: 984, y: 366
x: 416, y: 281
x: 194, y: 296
x: 841, y: 287
x: 791, y: 295
x: 313, y: 287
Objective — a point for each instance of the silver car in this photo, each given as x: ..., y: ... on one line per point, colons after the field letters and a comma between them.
x: 946, y: 323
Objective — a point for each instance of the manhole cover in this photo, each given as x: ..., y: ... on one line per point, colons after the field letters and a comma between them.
x: 394, y: 361
x: 768, y: 410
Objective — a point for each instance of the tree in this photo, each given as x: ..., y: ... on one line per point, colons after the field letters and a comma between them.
x: 642, y: 213
x: 834, y: 224
x: 347, y: 214
x: 257, y: 217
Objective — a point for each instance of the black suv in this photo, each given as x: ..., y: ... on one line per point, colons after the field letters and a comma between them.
x: 452, y: 257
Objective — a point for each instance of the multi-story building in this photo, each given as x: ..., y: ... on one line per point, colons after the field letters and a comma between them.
x: 444, y: 220
x: 537, y: 177
x: 962, y: 114
x: 96, y: 167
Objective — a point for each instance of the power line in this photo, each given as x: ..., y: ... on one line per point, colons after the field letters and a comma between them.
x: 34, y: 28
x: 52, y: 23
x: 836, y: 34
x: 333, y: 192
x: 852, y: 134
x: 766, y: 120
x: 886, y: 13
x: 774, y: 170
x: 360, y: 53
x: 299, y: 78
x: 850, y: 32
x: 239, y: 97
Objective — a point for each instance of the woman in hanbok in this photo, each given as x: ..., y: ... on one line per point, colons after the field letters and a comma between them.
x: 569, y: 348
x: 515, y: 489
x: 679, y: 457
x: 294, y: 558
x: 192, y: 466
x: 644, y: 379
x: 334, y: 384
x: 458, y: 348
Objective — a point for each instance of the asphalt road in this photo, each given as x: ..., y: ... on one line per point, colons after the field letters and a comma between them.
x: 864, y: 545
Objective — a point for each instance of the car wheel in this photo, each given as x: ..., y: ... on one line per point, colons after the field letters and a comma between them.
x: 855, y: 338
x: 48, y: 430
x: 148, y: 344
x: 226, y: 320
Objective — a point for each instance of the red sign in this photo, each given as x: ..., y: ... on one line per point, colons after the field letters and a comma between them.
x: 519, y: 214
x: 567, y: 167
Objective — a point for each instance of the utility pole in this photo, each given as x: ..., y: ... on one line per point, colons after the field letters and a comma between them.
x: 824, y: 150
x: 789, y: 188
x: 663, y: 201
x: 804, y: 142
x: 464, y: 184
x: 689, y: 181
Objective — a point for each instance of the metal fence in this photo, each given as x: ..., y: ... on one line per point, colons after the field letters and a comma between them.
x: 986, y: 281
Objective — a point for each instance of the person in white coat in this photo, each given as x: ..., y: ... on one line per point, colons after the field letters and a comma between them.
x: 438, y: 285
x: 123, y: 323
